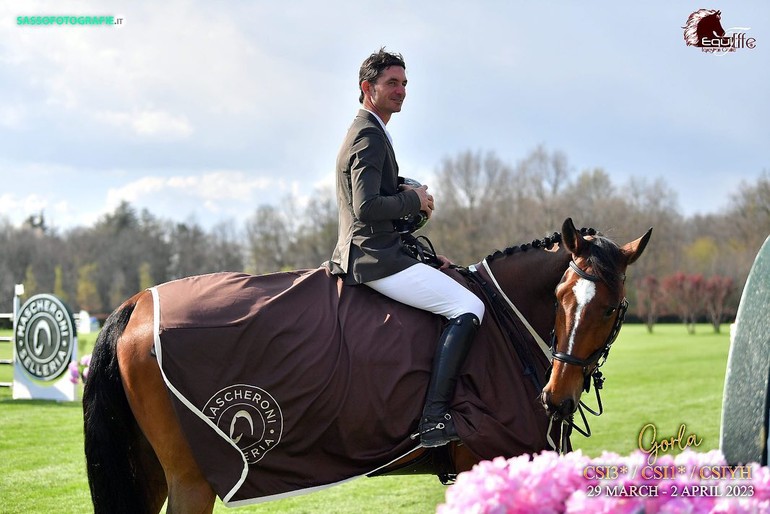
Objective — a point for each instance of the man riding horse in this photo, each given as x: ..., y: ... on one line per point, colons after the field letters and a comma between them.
x: 370, y: 249
x: 157, y: 425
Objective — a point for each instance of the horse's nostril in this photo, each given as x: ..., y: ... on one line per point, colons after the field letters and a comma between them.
x: 566, y: 407
x: 563, y: 410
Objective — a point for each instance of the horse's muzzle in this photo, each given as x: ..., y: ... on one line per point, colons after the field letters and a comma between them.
x: 562, y: 410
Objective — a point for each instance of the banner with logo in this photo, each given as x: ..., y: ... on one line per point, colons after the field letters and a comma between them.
x: 45, y: 342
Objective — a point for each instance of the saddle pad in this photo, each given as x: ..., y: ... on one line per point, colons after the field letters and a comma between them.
x: 288, y: 382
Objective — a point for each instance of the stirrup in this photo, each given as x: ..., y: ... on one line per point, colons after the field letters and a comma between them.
x: 427, y: 428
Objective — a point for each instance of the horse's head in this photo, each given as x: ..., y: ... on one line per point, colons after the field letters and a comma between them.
x: 590, y: 307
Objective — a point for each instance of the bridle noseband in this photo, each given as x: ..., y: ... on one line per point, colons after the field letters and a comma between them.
x: 595, y: 360
x: 599, y: 356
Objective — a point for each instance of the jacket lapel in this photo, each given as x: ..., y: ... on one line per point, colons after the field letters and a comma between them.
x: 370, y: 117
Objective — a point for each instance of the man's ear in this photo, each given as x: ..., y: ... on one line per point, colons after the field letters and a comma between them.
x: 366, y: 87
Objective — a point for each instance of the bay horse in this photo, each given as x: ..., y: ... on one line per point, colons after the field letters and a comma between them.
x: 138, y: 456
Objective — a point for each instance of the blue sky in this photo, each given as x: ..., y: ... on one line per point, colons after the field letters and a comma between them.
x: 205, y: 110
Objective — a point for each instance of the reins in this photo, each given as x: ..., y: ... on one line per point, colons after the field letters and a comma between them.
x: 596, y: 359
x: 504, y: 310
x: 509, y: 319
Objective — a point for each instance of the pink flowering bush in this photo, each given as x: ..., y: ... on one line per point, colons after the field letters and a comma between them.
x: 573, y: 483
x: 79, y: 370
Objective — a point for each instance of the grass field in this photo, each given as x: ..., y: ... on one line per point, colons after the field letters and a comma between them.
x: 667, y: 378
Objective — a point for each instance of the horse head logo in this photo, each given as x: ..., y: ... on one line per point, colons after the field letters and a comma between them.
x: 238, y: 415
x: 703, y: 23
x: 249, y: 416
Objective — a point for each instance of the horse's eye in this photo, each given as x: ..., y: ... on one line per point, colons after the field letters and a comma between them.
x: 610, y: 311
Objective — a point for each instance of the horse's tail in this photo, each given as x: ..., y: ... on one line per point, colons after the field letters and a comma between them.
x: 110, y: 429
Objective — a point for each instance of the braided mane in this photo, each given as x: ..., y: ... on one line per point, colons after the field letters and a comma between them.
x: 547, y: 243
x: 603, y: 259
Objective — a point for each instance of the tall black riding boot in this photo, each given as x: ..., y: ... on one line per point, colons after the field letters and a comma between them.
x: 436, y: 425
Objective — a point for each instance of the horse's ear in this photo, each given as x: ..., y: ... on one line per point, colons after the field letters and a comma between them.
x: 634, y: 249
x: 572, y: 238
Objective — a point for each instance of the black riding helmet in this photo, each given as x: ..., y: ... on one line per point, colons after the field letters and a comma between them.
x: 411, y: 222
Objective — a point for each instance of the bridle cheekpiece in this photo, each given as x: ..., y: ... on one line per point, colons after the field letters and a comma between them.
x: 596, y: 359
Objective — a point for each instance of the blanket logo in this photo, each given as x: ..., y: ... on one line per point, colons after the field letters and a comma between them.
x: 249, y: 416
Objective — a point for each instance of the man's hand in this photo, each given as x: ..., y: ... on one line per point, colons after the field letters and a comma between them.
x: 426, y: 199
x: 445, y: 263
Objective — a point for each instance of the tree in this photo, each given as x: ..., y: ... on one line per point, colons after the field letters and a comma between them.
x: 88, y: 295
x: 649, y: 299
x: 475, y: 193
x: 124, y: 217
x: 653, y: 204
x: 317, y: 236
x: 702, y: 254
x: 751, y: 212
x: 189, y: 254
x: 58, y: 285
x: 685, y: 295
x: 156, y: 247
x: 716, y: 291
x: 117, y: 289
x: 225, y: 248
x: 548, y: 173
x: 30, y: 283
x: 268, y: 240
x: 145, y: 276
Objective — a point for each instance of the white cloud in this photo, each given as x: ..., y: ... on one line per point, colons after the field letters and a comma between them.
x: 207, y: 57
x: 148, y: 123
x: 11, y: 204
x: 132, y: 191
x: 215, y: 190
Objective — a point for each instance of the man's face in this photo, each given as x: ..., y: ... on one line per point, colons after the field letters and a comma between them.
x: 389, y: 92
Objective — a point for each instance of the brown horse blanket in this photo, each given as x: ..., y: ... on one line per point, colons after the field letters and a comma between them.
x: 292, y: 381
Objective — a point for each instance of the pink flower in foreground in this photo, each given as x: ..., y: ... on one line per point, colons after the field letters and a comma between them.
x: 517, y: 485
x: 761, y: 482
x: 550, y: 483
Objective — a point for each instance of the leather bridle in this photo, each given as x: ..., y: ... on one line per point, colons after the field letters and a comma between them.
x: 593, y: 362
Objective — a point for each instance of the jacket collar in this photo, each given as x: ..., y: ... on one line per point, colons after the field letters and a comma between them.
x: 377, y: 121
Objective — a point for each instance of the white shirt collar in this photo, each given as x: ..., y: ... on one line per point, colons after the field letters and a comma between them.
x: 382, y: 124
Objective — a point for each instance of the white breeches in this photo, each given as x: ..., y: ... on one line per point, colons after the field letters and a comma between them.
x: 429, y: 289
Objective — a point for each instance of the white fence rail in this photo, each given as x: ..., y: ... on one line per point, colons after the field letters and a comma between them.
x: 9, y: 339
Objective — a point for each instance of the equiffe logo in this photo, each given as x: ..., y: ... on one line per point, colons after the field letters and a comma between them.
x: 704, y: 30
x: 250, y: 416
x: 45, y: 337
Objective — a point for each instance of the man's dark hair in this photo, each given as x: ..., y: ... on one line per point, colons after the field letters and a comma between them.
x: 373, y: 66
